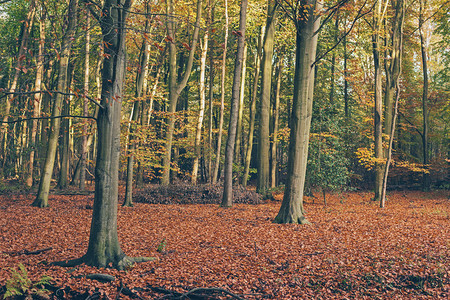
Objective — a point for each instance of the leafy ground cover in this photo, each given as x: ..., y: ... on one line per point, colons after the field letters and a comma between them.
x: 352, y: 249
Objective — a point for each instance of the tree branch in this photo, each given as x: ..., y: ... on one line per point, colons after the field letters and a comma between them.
x: 50, y: 93
x: 46, y: 118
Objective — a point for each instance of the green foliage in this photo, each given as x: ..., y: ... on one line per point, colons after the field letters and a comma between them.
x: 162, y: 246
x: 19, y: 283
x: 327, y: 164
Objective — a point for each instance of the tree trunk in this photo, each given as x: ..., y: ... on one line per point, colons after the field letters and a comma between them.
x: 84, y: 142
x: 36, y: 100
x: 55, y: 123
x: 251, y: 127
x: 65, y: 135
x: 138, y: 103
x: 211, y: 97
x: 227, y: 199
x: 291, y: 210
x: 175, y: 88
x: 27, y: 26
x: 264, y: 109
x: 276, y: 109
x: 425, y: 114
x: 222, y: 98
x: 378, y: 111
x: 237, y: 148
x: 393, y: 71
x: 201, y: 112
x: 104, y: 249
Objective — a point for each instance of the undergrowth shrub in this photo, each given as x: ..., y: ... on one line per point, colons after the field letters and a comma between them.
x: 185, y: 193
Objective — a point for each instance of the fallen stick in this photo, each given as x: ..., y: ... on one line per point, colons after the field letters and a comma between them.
x: 211, y: 290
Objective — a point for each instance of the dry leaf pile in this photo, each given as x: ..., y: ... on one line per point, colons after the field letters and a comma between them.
x: 352, y: 249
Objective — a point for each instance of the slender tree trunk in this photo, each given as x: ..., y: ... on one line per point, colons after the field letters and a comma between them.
x: 37, y: 100
x: 65, y: 135
x: 222, y: 98
x: 423, y: 48
x: 55, y: 123
x: 291, y: 210
x: 264, y: 109
x: 227, y: 199
x: 393, y: 71
x: 251, y: 129
x: 237, y: 148
x: 138, y: 103
x: 276, y: 110
x: 27, y: 25
x: 346, y: 97
x: 175, y: 88
x: 84, y: 142
x: 211, y: 97
x: 378, y: 111
x: 201, y: 112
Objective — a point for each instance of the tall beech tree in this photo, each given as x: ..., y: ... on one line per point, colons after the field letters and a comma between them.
x: 264, y: 107
x: 306, y: 17
x: 251, y: 125
x: 104, y: 249
x: 137, y: 105
x: 175, y: 88
x: 393, y: 71
x: 55, y: 123
x: 227, y: 199
x: 222, y: 98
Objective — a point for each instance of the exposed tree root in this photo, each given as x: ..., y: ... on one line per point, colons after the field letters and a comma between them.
x: 118, y: 264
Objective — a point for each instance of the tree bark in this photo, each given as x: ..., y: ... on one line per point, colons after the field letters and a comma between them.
x: 84, y: 142
x: 378, y: 111
x: 262, y: 186
x: 227, y: 199
x: 392, y: 84
x: 276, y: 110
x: 55, y: 123
x: 251, y: 127
x: 291, y: 210
x: 425, y: 114
x: 239, y: 129
x: 201, y: 112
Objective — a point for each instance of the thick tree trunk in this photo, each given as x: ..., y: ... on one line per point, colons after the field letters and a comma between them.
x: 251, y: 127
x: 175, y: 88
x: 222, y: 99
x: 104, y: 249
x: 55, y: 123
x: 201, y: 111
x: 291, y: 210
x: 262, y: 186
x: 227, y: 199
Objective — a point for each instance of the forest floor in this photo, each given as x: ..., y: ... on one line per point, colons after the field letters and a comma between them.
x: 352, y: 250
